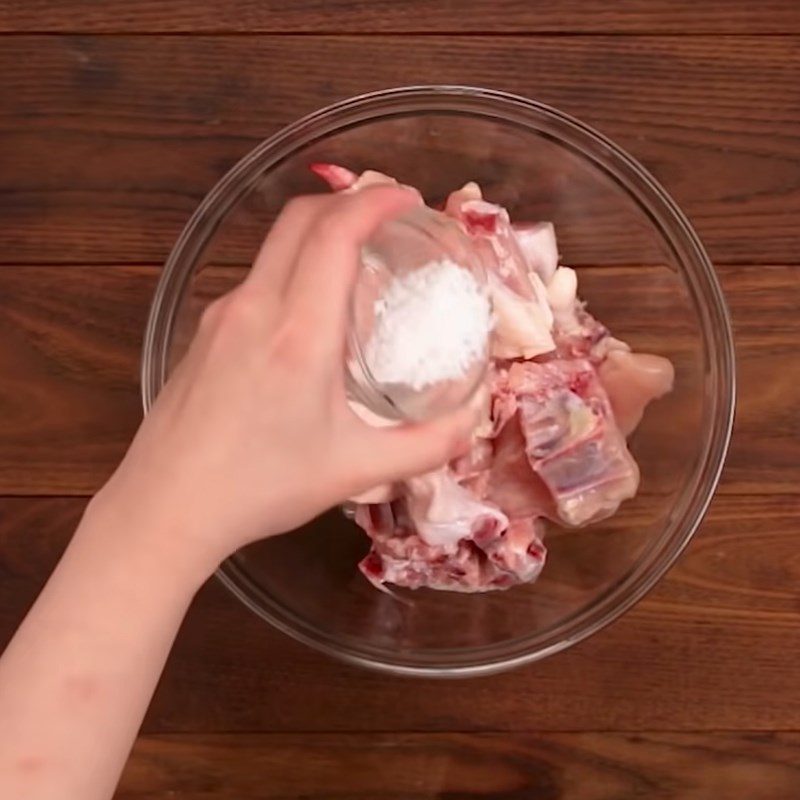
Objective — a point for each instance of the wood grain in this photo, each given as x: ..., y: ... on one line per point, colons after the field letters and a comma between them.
x: 107, y: 144
x: 70, y: 343
x: 69, y: 353
x: 580, y: 766
x: 386, y: 16
x: 711, y: 648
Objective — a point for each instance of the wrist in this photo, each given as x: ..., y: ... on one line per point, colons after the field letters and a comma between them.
x: 151, y: 541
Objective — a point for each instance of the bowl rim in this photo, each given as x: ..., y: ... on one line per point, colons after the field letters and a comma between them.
x: 713, y: 315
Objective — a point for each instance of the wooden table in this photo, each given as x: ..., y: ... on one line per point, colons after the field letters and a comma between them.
x: 117, y: 117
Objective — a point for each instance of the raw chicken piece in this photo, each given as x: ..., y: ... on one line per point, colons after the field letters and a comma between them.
x: 512, y: 484
x: 562, y: 295
x: 523, y: 319
x: 492, y: 559
x: 632, y: 380
x: 443, y: 512
x: 560, y: 395
x: 504, y: 401
x: 583, y: 336
x: 522, y: 328
x: 482, y: 403
x: 469, y: 191
x: 537, y: 241
x: 519, y: 554
x: 399, y: 556
x: 490, y: 226
x: 606, y: 345
x: 572, y: 440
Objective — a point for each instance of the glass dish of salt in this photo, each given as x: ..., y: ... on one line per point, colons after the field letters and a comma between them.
x: 421, y: 316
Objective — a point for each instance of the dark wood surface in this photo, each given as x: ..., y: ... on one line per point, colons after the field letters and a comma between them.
x: 710, y: 649
x: 107, y: 142
x: 587, y: 766
x: 70, y: 344
x: 411, y: 16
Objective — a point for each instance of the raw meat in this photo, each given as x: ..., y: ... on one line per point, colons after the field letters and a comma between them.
x: 538, y: 245
x: 560, y: 396
x: 512, y: 484
x: 523, y: 318
x: 632, y: 380
x: 492, y: 557
x: 571, y: 439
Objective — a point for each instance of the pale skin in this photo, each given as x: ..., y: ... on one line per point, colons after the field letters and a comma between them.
x: 251, y: 437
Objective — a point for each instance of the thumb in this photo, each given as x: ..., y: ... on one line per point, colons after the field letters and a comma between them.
x: 409, y: 450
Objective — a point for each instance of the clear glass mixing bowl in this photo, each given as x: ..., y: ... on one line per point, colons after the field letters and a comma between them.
x: 644, y: 273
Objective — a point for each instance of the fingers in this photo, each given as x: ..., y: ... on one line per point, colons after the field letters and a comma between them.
x: 329, y: 259
x: 398, y: 453
x: 276, y: 259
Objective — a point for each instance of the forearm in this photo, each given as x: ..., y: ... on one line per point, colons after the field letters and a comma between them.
x: 77, y: 678
x: 230, y: 452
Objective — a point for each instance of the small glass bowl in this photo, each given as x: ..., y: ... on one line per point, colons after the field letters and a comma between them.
x: 398, y: 248
x: 642, y: 270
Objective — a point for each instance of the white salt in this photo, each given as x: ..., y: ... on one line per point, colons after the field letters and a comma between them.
x: 431, y: 325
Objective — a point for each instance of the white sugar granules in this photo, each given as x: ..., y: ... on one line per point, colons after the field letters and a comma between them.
x: 431, y: 325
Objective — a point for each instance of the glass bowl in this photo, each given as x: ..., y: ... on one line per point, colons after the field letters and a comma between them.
x: 645, y: 275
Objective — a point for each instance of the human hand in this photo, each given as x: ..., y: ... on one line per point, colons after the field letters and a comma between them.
x: 252, y: 434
